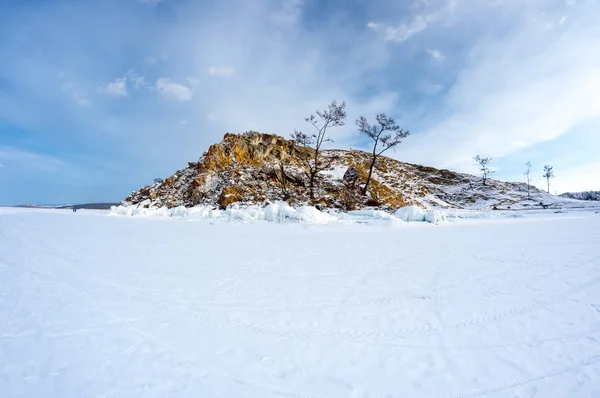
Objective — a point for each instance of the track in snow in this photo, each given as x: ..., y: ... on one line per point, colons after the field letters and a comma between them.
x: 92, y: 305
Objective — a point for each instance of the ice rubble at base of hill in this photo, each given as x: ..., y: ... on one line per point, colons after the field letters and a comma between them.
x: 281, y: 212
x: 415, y: 213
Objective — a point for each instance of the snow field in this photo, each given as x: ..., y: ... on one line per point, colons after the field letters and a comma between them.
x: 100, y: 306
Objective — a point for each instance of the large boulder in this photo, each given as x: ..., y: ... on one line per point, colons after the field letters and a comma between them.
x: 350, y: 176
x: 229, y: 195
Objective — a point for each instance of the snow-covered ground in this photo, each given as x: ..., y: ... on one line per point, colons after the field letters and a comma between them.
x: 93, y: 305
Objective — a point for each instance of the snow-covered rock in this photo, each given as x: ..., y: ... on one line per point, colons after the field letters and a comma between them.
x: 275, y: 212
x: 417, y: 214
x: 435, y: 217
x: 410, y: 213
x: 281, y: 212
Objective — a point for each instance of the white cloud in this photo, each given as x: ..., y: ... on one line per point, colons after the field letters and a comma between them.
x: 139, y: 82
x: 193, y: 80
x: 405, y: 31
x: 81, y: 101
x: 436, y: 54
x: 183, y: 122
x: 222, y: 71
x: 173, y: 90
x: 118, y: 88
x: 76, y: 94
x: 289, y: 13
x: 575, y: 179
x: 539, y: 88
x: 425, y: 14
x: 151, y: 60
x: 135, y: 80
x: 31, y: 160
x: 430, y: 88
x: 1, y: 166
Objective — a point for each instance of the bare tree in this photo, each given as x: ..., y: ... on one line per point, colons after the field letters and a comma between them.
x: 548, y: 174
x: 483, y: 163
x: 386, y: 134
x: 527, y: 173
x: 334, y: 116
x: 301, y: 138
x: 284, y: 161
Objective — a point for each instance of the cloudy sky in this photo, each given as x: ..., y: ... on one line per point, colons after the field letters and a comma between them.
x: 98, y: 97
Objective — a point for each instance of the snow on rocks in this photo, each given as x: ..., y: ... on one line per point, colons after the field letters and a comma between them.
x: 247, y: 168
x: 280, y: 212
x: 274, y: 212
x: 410, y: 213
x: 337, y: 172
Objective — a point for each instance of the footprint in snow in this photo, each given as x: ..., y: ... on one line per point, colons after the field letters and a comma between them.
x: 272, y: 368
x: 588, y: 374
x: 34, y: 374
x: 525, y: 392
x: 359, y: 393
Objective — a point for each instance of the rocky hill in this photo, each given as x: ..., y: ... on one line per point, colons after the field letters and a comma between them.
x: 255, y: 168
x: 587, y: 195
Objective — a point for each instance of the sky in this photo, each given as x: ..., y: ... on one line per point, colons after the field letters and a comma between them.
x: 99, y: 97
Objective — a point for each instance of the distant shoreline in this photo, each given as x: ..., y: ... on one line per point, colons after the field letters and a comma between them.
x: 89, y: 206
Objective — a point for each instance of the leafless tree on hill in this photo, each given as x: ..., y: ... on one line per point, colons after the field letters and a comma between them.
x: 282, y: 177
x: 548, y: 174
x: 483, y: 163
x: 301, y: 138
x: 334, y: 116
x: 527, y: 173
x: 385, y: 133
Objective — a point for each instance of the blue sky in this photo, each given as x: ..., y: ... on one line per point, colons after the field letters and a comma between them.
x: 99, y: 97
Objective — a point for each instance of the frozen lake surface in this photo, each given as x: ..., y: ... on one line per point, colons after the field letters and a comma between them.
x: 93, y: 305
